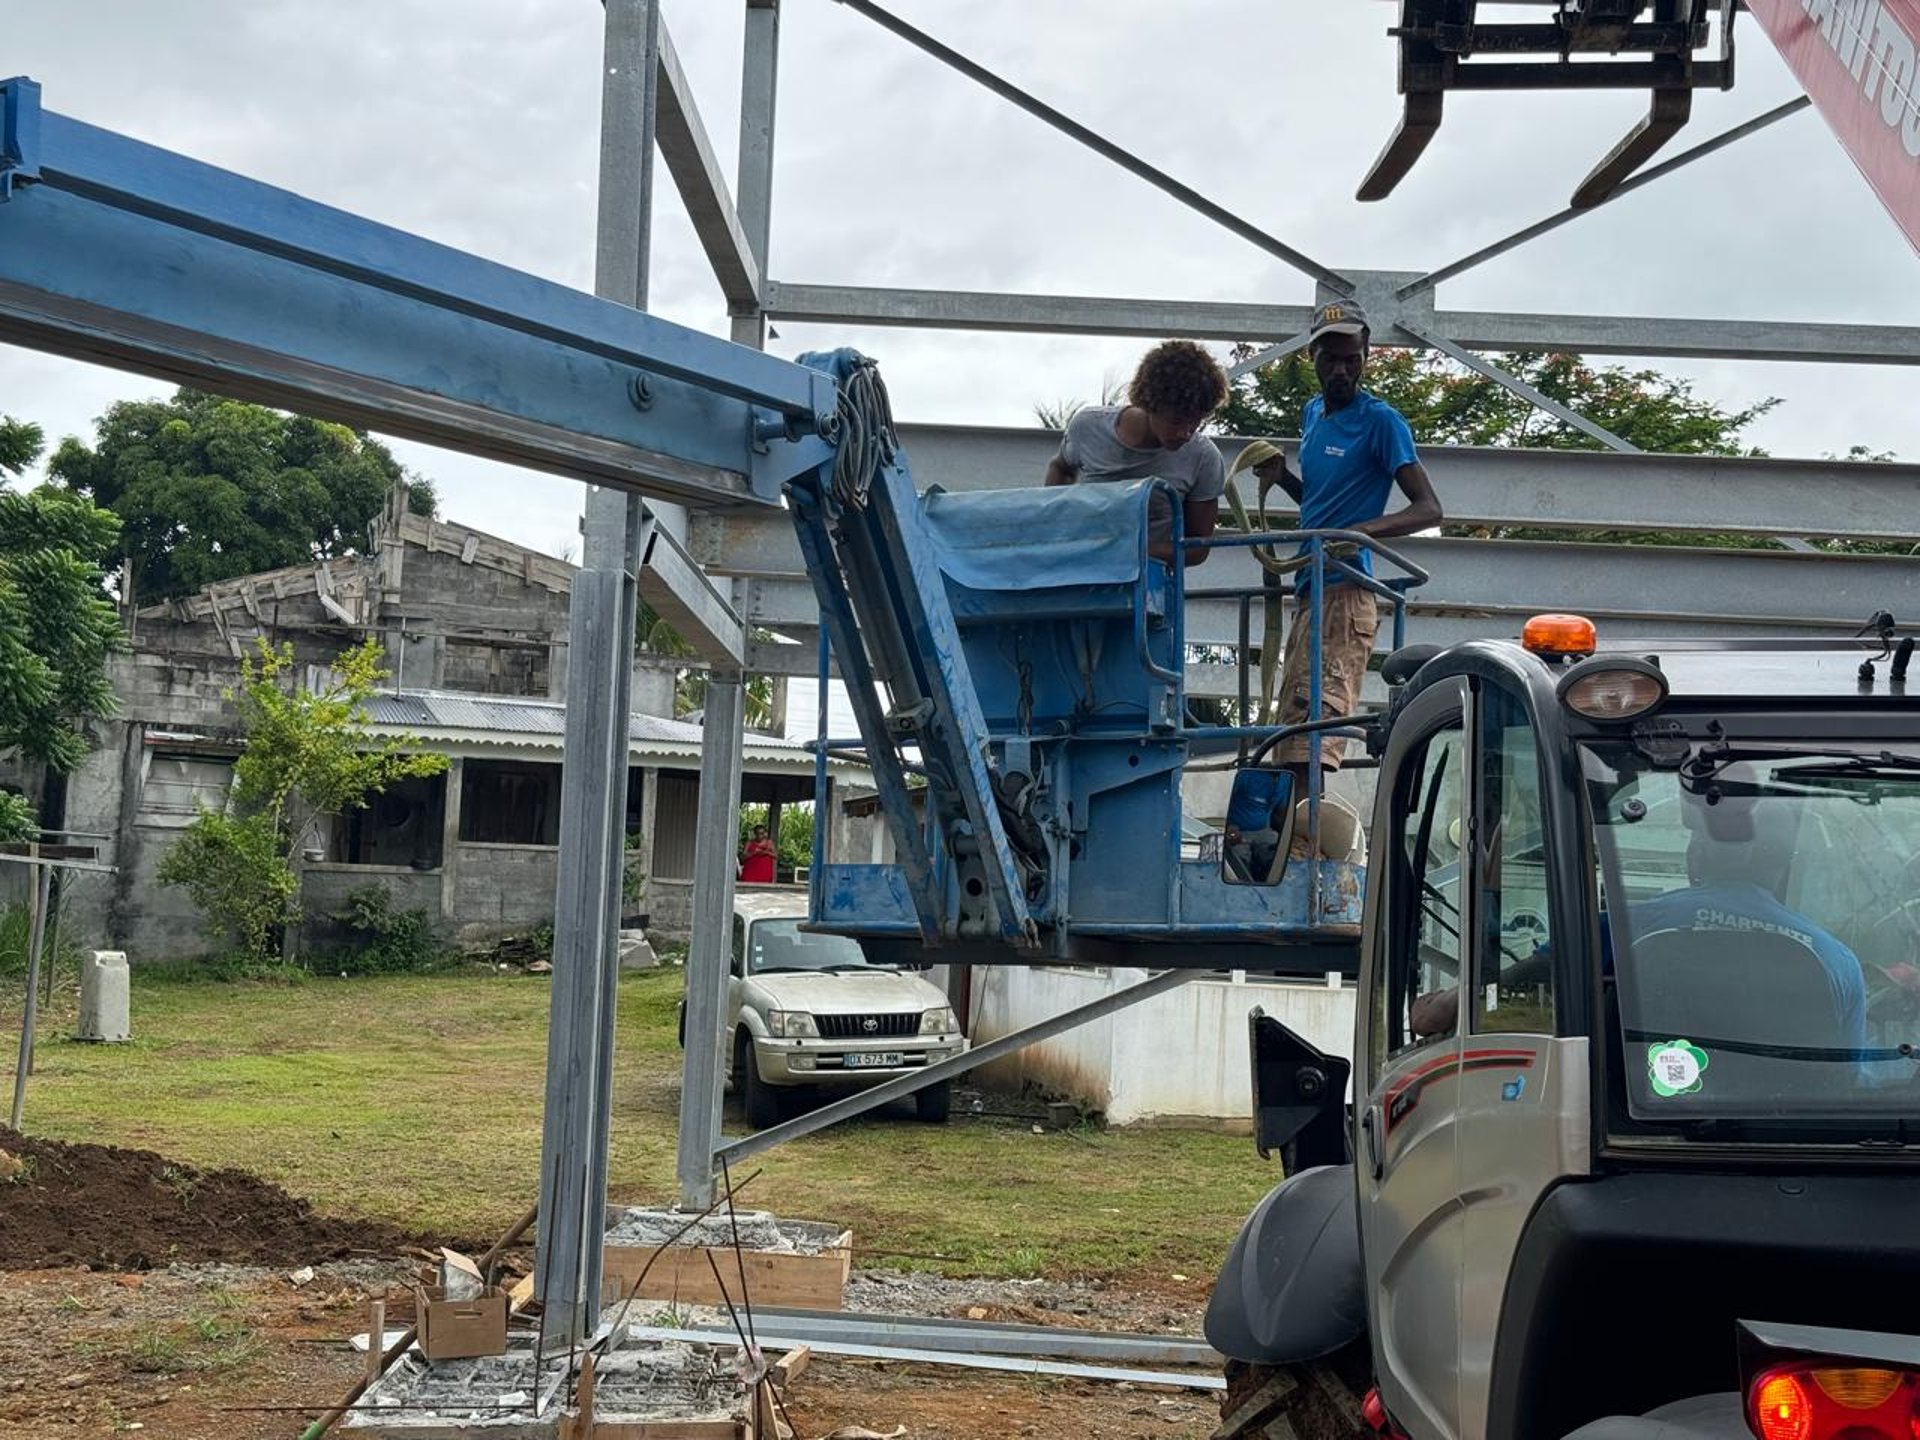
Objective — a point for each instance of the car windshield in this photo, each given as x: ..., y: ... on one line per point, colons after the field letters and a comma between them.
x: 783, y: 945
x: 1762, y: 933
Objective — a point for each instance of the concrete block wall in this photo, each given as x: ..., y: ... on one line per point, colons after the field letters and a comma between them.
x: 502, y: 889
x: 670, y: 909
x: 324, y: 890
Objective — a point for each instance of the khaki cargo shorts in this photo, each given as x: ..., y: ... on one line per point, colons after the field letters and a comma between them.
x: 1351, y: 618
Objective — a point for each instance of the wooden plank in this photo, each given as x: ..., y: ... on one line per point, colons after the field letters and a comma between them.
x: 672, y: 1430
x: 685, y: 1275
x: 376, y: 1341
x: 790, y: 1366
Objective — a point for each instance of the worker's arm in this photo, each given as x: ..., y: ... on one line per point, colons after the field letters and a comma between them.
x: 1058, y: 473
x: 1435, y: 1013
x: 1197, y: 521
x: 1275, y: 472
x: 1421, y: 512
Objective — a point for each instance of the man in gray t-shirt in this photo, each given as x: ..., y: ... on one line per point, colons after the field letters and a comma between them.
x: 1176, y: 390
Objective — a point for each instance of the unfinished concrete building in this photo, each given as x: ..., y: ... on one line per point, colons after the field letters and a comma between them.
x: 475, y: 633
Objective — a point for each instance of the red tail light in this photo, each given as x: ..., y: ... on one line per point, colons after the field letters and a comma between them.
x: 1823, y: 1401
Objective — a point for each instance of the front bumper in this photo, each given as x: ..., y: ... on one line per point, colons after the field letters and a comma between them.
x: 824, y: 1062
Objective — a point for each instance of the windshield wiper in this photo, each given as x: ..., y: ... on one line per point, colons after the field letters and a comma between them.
x: 1711, y: 759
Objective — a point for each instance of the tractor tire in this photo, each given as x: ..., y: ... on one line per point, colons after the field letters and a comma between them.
x: 1320, y: 1400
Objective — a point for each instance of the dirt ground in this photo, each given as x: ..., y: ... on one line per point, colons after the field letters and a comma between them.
x: 148, y: 1297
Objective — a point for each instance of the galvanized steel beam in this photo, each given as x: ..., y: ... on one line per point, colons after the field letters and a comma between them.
x: 683, y: 142
x: 1769, y: 587
x: 939, y: 1333
x: 685, y: 596
x: 1033, y: 314
x: 1697, y: 338
x: 1480, y: 486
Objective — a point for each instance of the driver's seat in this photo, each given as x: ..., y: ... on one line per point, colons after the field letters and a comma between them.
x: 1764, y: 992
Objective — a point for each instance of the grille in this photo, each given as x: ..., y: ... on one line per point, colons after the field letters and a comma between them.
x: 867, y: 1027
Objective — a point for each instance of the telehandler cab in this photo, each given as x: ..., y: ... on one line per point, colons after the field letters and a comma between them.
x: 1633, y: 1142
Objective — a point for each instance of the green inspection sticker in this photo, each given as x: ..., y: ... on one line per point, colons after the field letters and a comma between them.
x: 1675, y: 1066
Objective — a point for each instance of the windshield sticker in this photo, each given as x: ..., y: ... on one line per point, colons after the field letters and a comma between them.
x: 1675, y: 1067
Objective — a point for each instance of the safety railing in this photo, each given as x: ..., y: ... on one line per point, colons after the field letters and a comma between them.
x: 1322, y: 556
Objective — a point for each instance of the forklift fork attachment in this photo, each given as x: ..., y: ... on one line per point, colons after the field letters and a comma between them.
x: 1419, y: 121
x: 1669, y: 111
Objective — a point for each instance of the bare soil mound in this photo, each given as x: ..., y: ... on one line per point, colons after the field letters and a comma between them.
x: 112, y: 1209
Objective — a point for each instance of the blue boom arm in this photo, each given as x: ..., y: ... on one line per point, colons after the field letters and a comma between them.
x: 1019, y: 654
x: 125, y: 254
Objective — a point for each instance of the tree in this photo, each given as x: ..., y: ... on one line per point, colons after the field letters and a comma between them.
x: 307, y: 755
x: 57, y: 626
x: 423, y: 497
x: 208, y: 488
x: 1054, y: 414
x: 1448, y: 404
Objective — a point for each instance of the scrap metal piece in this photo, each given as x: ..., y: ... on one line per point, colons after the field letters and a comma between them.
x: 1017, y: 1365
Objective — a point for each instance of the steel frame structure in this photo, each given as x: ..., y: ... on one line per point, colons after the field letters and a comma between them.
x: 1651, y: 599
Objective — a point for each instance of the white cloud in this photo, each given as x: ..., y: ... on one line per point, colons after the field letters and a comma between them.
x: 477, y: 125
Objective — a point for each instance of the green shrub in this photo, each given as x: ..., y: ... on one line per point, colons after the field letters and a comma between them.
x: 16, y: 934
x: 18, y: 823
x: 387, y: 941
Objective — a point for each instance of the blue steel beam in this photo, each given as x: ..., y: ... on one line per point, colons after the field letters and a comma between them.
x: 124, y: 254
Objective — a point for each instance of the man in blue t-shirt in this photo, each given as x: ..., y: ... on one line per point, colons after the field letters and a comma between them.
x: 1354, y: 449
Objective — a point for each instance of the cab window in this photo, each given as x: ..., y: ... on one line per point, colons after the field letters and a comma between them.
x: 1513, y: 974
x: 1425, y: 942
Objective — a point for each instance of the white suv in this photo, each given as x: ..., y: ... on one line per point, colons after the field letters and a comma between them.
x: 808, y: 1010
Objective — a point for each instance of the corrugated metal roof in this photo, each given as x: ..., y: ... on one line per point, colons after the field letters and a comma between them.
x: 510, y: 715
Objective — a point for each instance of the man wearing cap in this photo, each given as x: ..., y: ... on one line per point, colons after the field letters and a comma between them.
x: 1173, y: 394
x: 1354, y: 449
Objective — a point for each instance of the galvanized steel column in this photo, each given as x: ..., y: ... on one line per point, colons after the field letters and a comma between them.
x: 709, y: 959
x: 759, y: 91
x: 601, y: 623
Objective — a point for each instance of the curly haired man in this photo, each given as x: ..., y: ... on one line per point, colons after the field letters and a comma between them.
x: 1173, y: 394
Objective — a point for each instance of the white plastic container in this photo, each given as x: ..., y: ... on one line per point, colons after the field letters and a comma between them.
x: 105, y: 1004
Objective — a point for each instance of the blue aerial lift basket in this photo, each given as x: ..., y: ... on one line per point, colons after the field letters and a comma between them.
x: 1015, y: 662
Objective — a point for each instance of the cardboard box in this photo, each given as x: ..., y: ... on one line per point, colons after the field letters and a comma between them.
x: 460, y: 1329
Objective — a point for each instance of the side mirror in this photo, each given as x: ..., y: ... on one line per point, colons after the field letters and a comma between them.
x: 739, y: 967
x: 1299, y: 1098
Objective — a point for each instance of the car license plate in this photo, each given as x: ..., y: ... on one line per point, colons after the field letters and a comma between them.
x: 876, y: 1060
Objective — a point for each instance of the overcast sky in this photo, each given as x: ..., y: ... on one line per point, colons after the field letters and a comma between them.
x: 475, y: 123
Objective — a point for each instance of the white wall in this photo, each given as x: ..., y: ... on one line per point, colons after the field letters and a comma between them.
x: 1180, y: 1055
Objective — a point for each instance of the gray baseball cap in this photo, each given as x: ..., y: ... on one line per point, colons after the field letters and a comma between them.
x: 1339, y: 317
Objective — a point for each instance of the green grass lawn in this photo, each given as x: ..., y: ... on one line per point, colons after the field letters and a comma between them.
x: 417, y: 1100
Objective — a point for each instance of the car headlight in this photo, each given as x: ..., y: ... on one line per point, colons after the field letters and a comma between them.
x: 792, y: 1025
x: 938, y: 1021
